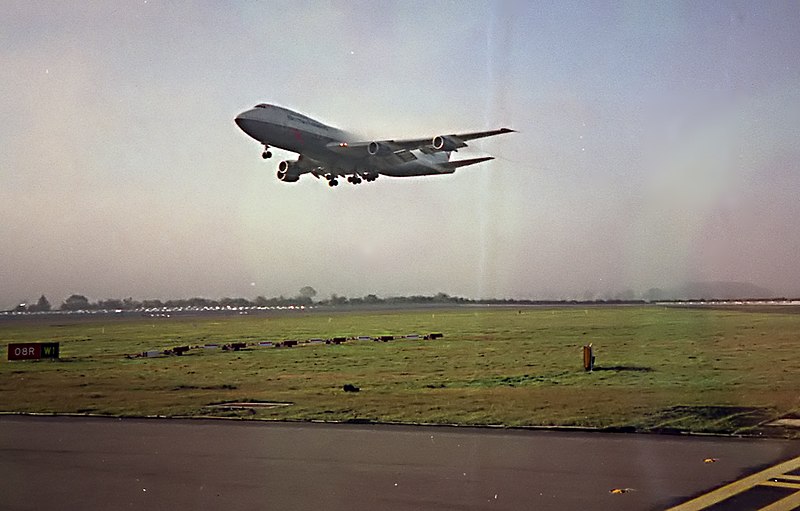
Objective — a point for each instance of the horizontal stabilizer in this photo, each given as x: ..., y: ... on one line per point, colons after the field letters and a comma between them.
x: 462, y: 163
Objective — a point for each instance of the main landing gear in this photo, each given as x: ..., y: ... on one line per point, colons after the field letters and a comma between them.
x: 358, y: 177
x: 267, y: 153
x: 355, y: 179
x: 368, y: 176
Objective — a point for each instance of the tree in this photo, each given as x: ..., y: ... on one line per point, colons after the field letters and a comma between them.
x: 337, y: 300
x: 75, y: 302
x: 235, y: 302
x: 308, y: 292
x: 43, y: 305
x: 110, y: 304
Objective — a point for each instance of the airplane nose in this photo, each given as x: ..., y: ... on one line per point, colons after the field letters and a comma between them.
x: 246, y: 123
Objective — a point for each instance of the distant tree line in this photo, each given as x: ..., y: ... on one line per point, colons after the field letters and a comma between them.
x: 80, y: 302
x: 77, y: 302
x: 42, y: 305
x: 305, y: 298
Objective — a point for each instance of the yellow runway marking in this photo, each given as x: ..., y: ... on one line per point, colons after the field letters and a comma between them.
x: 781, y: 484
x: 788, y: 504
x: 763, y: 478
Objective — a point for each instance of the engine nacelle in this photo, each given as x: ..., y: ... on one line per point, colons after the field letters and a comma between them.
x: 378, y: 149
x: 447, y: 143
x: 289, y: 171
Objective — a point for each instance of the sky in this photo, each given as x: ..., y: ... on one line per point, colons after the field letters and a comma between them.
x: 657, y: 145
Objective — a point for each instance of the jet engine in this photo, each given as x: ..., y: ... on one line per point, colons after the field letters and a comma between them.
x: 378, y: 149
x: 289, y: 171
x: 447, y: 143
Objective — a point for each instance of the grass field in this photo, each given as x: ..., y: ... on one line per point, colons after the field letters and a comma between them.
x: 700, y: 370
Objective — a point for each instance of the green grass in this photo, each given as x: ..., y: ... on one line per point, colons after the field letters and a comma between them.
x: 657, y: 368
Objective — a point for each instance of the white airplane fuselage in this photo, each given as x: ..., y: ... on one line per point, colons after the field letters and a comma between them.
x: 330, y: 152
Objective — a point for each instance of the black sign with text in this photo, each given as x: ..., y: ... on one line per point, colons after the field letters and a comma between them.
x: 32, y: 350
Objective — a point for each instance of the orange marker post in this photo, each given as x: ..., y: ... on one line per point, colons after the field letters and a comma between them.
x: 588, y: 358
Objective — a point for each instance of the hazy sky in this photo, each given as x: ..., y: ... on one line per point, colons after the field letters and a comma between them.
x: 659, y: 143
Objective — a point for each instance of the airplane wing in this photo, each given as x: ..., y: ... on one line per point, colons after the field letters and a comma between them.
x: 445, y: 142
x: 483, y: 134
x: 462, y: 163
x: 401, y: 148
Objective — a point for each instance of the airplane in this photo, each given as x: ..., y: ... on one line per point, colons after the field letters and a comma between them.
x: 328, y: 152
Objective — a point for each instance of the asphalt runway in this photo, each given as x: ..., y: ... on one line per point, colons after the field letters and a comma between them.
x: 94, y: 464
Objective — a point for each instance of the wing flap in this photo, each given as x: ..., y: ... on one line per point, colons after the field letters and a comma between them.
x: 404, y: 155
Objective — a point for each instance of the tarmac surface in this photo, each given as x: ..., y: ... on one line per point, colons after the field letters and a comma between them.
x: 94, y: 463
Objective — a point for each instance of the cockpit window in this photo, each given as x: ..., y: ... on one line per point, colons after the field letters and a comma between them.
x: 262, y: 105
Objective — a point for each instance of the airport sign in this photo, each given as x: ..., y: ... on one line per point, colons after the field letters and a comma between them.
x: 32, y: 350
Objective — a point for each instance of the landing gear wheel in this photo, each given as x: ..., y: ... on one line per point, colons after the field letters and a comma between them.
x: 266, y: 154
x: 333, y: 183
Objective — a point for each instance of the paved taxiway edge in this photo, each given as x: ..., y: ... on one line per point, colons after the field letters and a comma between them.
x: 368, y: 422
